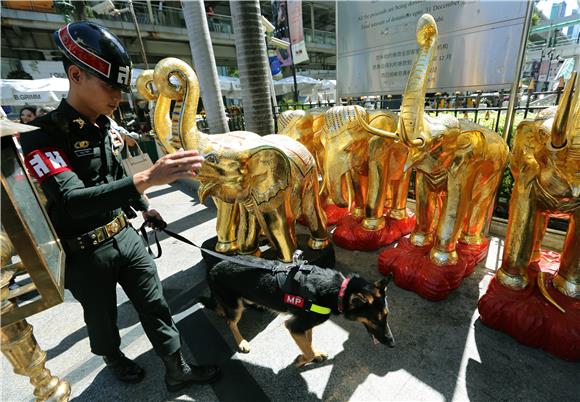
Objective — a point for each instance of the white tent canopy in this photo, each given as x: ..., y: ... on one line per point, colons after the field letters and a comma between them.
x: 306, y: 86
x: 46, y: 91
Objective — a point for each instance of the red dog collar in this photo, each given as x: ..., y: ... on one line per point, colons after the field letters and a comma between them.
x: 343, y: 286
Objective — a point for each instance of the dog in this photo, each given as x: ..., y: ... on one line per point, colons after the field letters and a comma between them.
x: 323, y: 292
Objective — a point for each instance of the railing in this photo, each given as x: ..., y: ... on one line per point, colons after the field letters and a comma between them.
x: 560, y: 42
x: 321, y: 37
x: 172, y: 16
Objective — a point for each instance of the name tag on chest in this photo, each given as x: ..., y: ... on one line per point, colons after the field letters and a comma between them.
x: 84, y: 152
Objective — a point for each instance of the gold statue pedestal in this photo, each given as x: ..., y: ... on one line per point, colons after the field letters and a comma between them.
x: 527, y: 316
x: 413, y: 269
x: 351, y: 235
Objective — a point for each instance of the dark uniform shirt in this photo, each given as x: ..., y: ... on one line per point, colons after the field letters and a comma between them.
x: 79, y: 170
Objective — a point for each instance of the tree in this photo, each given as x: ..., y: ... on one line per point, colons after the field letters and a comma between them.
x: 204, y: 64
x: 253, y: 66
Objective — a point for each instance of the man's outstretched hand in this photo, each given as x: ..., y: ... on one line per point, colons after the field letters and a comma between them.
x: 179, y: 165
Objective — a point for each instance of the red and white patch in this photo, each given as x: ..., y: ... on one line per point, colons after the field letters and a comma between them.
x: 46, y: 162
x: 294, y: 300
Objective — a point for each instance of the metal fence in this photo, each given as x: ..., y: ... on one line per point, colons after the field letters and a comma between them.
x: 173, y: 16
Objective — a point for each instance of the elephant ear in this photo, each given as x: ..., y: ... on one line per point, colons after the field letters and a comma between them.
x: 469, y: 144
x: 269, y: 173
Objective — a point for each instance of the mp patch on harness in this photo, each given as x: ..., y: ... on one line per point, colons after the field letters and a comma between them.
x: 294, y: 300
x: 46, y: 162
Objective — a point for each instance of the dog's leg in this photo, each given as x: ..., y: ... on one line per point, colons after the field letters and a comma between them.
x: 304, y: 341
x: 318, y: 356
x: 243, y: 345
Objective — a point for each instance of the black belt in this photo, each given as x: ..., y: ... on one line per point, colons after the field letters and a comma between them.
x: 96, y: 237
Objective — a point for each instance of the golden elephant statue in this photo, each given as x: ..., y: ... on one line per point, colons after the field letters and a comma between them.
x: 261, y: 183
x: 370, y: 170
x: 458, y: 167
x: 307, y: 127
x: 545, y: 163
x: 297, y: 124
x: 346, y: 154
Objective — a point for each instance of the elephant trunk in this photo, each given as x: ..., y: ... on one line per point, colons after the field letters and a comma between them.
x: 334, y: 180
x: 176, y: 80
x: 412, y: 110
x: 159, y: 105
x: 144, y: 84
x: 563, y: 121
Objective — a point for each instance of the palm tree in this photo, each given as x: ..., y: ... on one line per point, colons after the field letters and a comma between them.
x: 204, y: 64
x: 253, y: 66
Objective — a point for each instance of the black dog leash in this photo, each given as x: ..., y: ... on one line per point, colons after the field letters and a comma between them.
x: 159, y: 225
x: 293, y: 270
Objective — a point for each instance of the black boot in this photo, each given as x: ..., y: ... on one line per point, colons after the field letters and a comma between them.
x: 180, y: 374
x: 124, y: 369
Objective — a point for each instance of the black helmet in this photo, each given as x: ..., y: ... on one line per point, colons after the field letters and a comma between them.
x: 97, y: 51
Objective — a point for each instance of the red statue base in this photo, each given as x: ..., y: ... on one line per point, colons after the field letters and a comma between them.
x: 334, y: 213
x: 528, y: 317
x: 413, y: 270
x: 350, y: 234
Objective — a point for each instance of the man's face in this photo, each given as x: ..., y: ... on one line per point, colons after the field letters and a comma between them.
x: 98, y: 95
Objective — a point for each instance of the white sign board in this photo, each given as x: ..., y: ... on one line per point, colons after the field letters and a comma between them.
x: 477, y: 47
x: 39, y: 69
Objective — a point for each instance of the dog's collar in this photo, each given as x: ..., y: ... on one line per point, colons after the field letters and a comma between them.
x: 341, y: 293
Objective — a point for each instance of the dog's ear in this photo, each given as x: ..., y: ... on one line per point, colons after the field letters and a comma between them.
x: 383, y: 283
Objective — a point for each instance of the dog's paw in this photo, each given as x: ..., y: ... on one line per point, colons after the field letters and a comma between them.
x: 244, y: 346
x: 320, y: 357
x: 301, y: 361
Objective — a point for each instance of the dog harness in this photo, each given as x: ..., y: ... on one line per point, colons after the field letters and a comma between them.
x: 291, y: 277
x: 292, y: 281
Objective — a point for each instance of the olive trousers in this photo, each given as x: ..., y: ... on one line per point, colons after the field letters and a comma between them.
x: 92, y: 278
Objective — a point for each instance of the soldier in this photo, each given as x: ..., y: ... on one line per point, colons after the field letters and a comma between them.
x: 76, y: 162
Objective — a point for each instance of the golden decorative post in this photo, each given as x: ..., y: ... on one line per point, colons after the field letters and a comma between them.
x: 26, y: 356
x: 28, y: 233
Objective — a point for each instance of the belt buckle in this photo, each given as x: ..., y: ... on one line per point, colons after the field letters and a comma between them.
x: 113, y: 227
x: 100, y: 236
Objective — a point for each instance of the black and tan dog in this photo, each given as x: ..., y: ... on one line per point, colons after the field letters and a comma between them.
x: 311, y: 295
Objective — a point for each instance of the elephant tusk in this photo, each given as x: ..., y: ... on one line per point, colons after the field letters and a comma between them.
x: 544, y: 292
x: 204, y: 190
x: 564, y: 111
x: 323, y: 186
x: 373, y: 130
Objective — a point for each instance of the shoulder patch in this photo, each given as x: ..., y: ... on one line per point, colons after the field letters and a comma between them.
x: 46, y: 162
